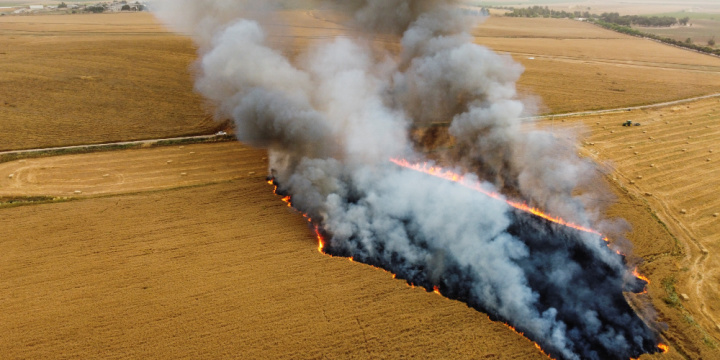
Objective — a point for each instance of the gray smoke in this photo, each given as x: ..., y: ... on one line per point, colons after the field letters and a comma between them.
x: 332, y: 117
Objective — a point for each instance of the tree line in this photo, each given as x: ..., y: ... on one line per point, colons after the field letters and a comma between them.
x: 612, y: 18
x: 688, y: 44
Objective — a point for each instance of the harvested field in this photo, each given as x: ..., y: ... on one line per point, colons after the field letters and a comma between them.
x: 151, y: 263
x: 128, y: 171
x: 578, y: 66
x: 224, y: 270
x: 76, y: 79
x: 668, y: 163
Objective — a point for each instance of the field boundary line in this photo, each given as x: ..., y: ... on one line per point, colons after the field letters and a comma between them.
x: 627, y: 108
x: 75, y: 149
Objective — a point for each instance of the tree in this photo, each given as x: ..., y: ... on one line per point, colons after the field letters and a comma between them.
x: 62, y: 5
x: 688, y: 41
x: 125, y: 8
x: 95, y: 9
x: 711, y: 42
x: 684, y: 21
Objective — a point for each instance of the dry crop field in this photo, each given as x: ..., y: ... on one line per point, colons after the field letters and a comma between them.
x: 221, y: 270
x: 77, y: 79
x: 669, y: 166
x: 624, y: 7
x: 578, y: 66
x: 149, y: 263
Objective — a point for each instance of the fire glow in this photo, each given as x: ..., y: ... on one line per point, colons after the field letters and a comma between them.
x: 460, y: 179
x: 473, y: 185
x: 439, y: 172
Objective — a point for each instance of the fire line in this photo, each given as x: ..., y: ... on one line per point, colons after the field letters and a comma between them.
x: 460, y: 179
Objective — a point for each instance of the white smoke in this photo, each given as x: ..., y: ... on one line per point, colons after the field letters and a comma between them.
x: 332, y: 117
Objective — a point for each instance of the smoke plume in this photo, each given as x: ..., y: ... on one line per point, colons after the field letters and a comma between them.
x: 333, y: 116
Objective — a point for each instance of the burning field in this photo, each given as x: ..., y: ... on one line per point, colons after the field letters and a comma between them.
x: 334, y: 116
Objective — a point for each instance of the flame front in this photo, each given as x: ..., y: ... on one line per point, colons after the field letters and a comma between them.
x: 321, y: 241
x: 448, y: 175
x: 663, y: 348
x: 460, y: 179
x: 640, y: 276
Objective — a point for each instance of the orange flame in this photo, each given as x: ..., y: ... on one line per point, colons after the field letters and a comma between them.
x: 321, y: 241
x: 436, y: 289
x: 663, y: 348
x: 460, y: 179
x: 640, y: 276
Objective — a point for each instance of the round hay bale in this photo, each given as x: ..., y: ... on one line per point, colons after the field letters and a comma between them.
x: 652, y: 165
x: 251, y: 173
x: 11, y: 176
x: 632, y: 182
x: 644, y: 131
x: 183, y: 174
x: 169, y: 162
x: 639, y: 177
x: 685, y: 297
x: 78, y: 192
x: 648, y: 194
x: 632, y: 146
x: 612, y: 131
x: 710, y: 150
x: 182, y: 147
x: 592, y: 143
x: 708, y: 159
x: 106, y: 175
x: 650, y: 137
x: 636, y: 152
x: 683, y: 211
x: 192, y: 152
x: 716, y: 214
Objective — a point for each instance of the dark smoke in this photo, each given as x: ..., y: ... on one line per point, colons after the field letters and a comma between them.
x: 332, y: 117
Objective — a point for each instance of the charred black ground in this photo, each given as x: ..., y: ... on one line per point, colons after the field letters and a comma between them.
x: 571, y: 280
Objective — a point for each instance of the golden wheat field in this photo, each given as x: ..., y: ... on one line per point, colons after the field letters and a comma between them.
x: 185, y: 252
x: 77, y: 79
